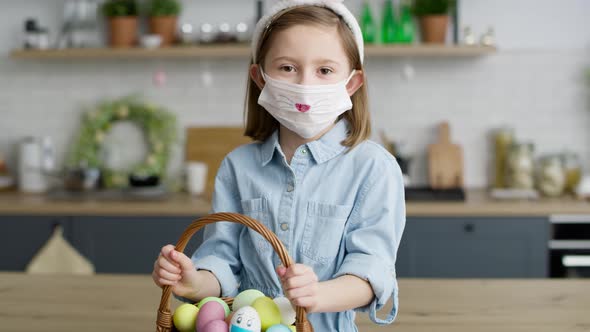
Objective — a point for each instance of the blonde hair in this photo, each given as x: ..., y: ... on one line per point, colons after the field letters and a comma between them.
x: 260, y: 124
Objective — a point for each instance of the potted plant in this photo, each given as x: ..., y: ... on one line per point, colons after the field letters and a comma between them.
x: 433, y: 16
x: 163, y: 17
x: 122, y: 22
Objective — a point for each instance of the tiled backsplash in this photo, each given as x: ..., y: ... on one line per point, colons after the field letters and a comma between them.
x: 542, y: 94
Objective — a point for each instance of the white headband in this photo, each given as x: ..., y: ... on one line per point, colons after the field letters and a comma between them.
x: 335, y: 5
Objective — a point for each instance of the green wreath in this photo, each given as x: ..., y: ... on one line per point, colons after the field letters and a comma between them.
x: 159, y: 127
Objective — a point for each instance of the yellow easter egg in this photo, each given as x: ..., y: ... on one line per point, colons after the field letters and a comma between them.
x: 268, y: 311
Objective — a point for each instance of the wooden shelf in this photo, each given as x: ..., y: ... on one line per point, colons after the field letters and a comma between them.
x: 240, y: 50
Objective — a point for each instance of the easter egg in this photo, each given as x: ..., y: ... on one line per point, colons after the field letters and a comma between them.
x: 268, y: 311
x: 215, y: 326
x: 279, y: 328
x: 245, y: 298
x: 185, y: 316
x: 287, y: 311
x: 245, y: 320
x: 216, y: 299
x: 210, y: 311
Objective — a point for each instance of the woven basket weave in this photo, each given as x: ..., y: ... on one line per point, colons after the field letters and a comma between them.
x: 164, y: 322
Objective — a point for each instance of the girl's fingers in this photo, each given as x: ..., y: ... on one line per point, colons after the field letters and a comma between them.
x: 281, y: 270
x: 166, y: 250
x: 299, y: 281
x: 296, y: 293
x: 165, y: 264
x: 163, y: 274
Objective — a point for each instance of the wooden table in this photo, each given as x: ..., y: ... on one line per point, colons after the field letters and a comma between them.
x: 129, y: 303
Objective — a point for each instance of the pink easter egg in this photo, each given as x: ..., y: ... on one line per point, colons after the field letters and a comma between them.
x: 216, y: 326
x: 210, y: 311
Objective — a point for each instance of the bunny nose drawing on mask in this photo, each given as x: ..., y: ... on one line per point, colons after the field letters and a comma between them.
x: 302, y: 107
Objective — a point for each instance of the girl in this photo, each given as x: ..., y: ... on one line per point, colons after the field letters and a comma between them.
x: 334, y: 198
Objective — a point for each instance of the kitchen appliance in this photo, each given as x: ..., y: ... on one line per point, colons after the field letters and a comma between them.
x: 35, y: 37
x: 445, y: 161
x: 36, y: 160
x: 569, y: 246
x: 80, y: 25
x: 397, y: 149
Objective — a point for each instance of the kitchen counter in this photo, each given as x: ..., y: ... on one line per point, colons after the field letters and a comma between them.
x: 129, y: 303
x: 478, y: 203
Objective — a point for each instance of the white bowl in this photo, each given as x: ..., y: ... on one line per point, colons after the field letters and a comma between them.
x: 151, y: 41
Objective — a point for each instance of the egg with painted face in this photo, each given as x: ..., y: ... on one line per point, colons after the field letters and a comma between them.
x: 246, y: 319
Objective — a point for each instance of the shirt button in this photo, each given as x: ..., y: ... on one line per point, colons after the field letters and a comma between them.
x: 284, y: 226
x: 304, y: 151
x: 290, y: 187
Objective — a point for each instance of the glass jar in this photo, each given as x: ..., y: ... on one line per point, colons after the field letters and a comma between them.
x: 520, y: 166
x: 503, y: 139
x: 551, y: 176
x: 573, y: 171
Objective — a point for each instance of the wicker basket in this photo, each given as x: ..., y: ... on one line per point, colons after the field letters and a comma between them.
x: 164, y: 322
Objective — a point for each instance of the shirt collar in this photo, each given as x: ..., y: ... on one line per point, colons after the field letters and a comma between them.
x: 269, y: 147
x: 325, y: 148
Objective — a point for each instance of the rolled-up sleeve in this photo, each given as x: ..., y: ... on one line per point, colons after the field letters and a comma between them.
x: 372, y: 237
x: 219, y: 251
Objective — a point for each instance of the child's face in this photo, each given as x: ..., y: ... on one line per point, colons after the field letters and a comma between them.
x: 308, y: 55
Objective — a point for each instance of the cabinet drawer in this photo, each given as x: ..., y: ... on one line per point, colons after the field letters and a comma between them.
x: 474, y: 248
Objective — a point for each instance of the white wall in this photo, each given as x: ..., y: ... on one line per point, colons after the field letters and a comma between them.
x: 534, y: 84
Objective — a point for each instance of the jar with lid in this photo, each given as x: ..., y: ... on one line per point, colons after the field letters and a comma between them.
x: 573, y: 170
x: 551, y: 176
x: 520, y: 166
x: 503, y: 139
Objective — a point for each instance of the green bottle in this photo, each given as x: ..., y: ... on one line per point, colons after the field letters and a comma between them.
x: 388, y: 25
x: 367, y: 24
x: 404, y: 32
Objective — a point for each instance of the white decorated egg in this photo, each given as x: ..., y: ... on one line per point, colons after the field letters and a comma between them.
x: 245, y: 320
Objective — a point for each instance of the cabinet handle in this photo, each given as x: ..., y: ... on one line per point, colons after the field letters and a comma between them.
x: 469, y: 228
x: 575, y: 261
x: 570, y: 219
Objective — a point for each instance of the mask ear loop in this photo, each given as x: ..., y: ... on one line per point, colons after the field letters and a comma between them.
x: 262, y: 74
x: 350, y: 76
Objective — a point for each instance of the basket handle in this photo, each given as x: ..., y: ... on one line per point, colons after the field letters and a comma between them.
x: 164, y: 321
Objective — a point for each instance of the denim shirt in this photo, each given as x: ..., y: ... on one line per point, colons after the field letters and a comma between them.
x: 340, y: 211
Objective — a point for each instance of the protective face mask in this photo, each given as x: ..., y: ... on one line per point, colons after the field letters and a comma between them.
x: 305, y: 109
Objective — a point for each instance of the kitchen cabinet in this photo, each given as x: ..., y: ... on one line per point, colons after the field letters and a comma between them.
x: 478, y: 247
x: 442, y: 247
x: 22, y: 237
x: 128, y: 244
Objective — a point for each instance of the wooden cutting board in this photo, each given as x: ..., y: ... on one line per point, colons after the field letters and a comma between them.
x: 445, y: 161
x: 210, y: 145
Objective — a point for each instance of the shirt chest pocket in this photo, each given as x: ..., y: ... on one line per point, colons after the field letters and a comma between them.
x: 257, y: 208
x: 324, y: 228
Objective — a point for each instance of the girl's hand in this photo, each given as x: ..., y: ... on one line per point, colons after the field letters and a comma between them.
x: 300, y: 285
x: 175, y: 269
